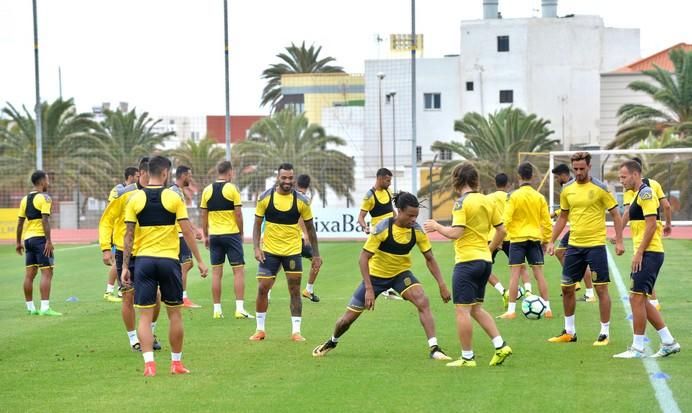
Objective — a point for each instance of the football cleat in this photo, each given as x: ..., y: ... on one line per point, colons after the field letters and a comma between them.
x: 50, y: 312
x: 500, y: 355
x: 258, y: 336
x: 150, y: 369
x: 588, y: 299
x: 507, y: 316
x: 666, y: 350
x: 436, y: 353
x: 157, y: 345
x: 323, y: 349
x: 187, y: 303
x: 505, y: 298
x: 111, y: 298
x: 136, y: 347
x: 311, y: 296
x: 631, y: 353
x: 391, y: 295
x: 462, y: 362
x: 217, y: 315
x: 32, y: 312
x: 297, y: 337
x: 243, y: 314
x: 548, y: 314
x: 602, y: 340
x: 178, y: 368
x: 563, y: 338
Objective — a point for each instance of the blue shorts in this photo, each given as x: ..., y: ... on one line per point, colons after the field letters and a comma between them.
x: 226, y: 246
x: 400, y: 283
x: 119, y: 270
x: 564, y: 241
x: 578, y: 258
x: 526, y: 251
x: 644, y: 280
x: 153, y: 274
x: 306, y: 251
x: 469, y: 280
x: 504, y: 248
x: 292, y: 264
x: 33, y: 253
x: 185, y: 255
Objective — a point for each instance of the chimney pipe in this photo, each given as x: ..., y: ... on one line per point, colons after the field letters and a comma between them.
x: 490, y: 9
x: 549, y: 8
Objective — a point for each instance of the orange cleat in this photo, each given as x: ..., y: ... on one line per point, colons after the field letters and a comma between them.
x: 507, y: 316
x: 178, y: 368
x: 258, y: 336
x: 150, y: 369
x: 189, y: 304
x: 548, y: 314
x: 297, y: 337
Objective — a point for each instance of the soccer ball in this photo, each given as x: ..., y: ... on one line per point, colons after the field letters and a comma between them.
x: 533, y: 307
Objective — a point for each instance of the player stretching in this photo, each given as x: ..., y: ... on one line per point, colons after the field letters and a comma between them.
x: 38, y: 247
x: 153, y: 213
x: 583, y: 203
x: 282, y: 207
x: 385, y: 263
x: 472, y: 218
x: 528, y: 224
x: 303, y: 185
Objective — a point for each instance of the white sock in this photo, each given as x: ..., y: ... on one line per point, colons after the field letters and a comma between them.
x: 45, y: 305
x: 468, y: 355
x: 184, y: 294
x: 654, y: 302
x: 589, y: 292
x: 295, y: 324
x: 547, y: 305
x: 260, y: 317
x: 500, y: 288
x: 569, y: 325
x: 153, y: 327
x: 109, y: 288
x: 335, y: 339
x: 310, y: 288
x: 498, y: 342
x: 176, y: 356
x: 148, y: 356
x: 605, y: 329
x: 666, y: 337
x: 30, y: 306
x: 511, y: 307
x: 240, y: 306
x: 638, y: 342
x: 432, y: 341
x: 132, y: 336
x: 527, y: 286
x: 217, y: 308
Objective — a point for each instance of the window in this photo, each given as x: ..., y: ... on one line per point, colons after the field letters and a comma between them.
x: 506, y: 96
x: 432, y: 101
x: 419, y: 153
x: 445, y: 155
x: 469, y: 86
x: 503, y: 43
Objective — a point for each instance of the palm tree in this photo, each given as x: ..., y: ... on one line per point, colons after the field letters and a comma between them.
x: 294, y: 60
x: 672, y: 93
x: 287, y: 137
x: 202, y: 157
x: 493, y: 144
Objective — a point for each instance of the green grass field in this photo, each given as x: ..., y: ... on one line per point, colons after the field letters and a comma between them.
x: 82, y: 361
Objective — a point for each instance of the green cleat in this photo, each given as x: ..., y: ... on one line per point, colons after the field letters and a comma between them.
x: 500, y: 355
x: 462, y: 362
x: 505, y: 298
x: 50, y: 312
x: 32, y: 312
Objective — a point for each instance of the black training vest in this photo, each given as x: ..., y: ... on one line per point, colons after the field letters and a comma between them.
x: 381, y: 208
x: 217, y: 202
x: 289, y: 217
x: 393, y: 247
x: 154, y: 214
x: 636, y: 211
x: 31, y: 211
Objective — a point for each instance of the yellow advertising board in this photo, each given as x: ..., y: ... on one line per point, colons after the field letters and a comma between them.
x: 8, y: 223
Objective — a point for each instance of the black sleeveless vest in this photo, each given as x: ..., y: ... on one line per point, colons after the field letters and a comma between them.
x: 154, y: 214
x: 381, y: 208
x: 393, y: 247
x: 289, y: 217
x: 217, y: 202
x: 31, y: 211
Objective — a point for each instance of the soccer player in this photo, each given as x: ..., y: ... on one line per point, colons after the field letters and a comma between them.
x: 472, y: 218
x: 562, y: 176
x: 222, y: 224
x: 528, y: 224
x: 667, y: 214
x: 282, y: 207
x: 303, y: 185
x: 499, y: 198
x: 583, y: 203
x: 646, y: 263
x: 131, y: 176
x: 385, y: 262
x: 152, y: 213
x: 378, y: 203
x: 112, y: 232
x: 35, y: 209
x: 183, y: 179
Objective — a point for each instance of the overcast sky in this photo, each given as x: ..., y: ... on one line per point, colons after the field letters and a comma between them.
x: 166, y: 56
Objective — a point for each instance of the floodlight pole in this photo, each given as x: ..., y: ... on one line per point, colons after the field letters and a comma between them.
x: 390, y: 98
x: 228, y: 98
x: 39, y: 128
x: 380, y: 76
x: 414, y: 154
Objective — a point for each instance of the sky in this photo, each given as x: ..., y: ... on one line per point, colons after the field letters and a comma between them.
x: 166, y: 56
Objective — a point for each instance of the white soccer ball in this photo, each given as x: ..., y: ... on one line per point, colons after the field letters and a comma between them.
x: 533, y: 307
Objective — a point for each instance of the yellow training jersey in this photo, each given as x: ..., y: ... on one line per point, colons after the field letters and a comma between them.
x: 220, y: 199
x: 499, y: 199
x: 282, y: 235
x: 112, y: 223
x: 526, y: 216
x: 155, y: 210
x: 33, y: 207
x: 477, y: 214
x: 378, y: 203
x: 645, y: 204
x: 629, y: 194
x: 391, y: 246
x: 587, y: 204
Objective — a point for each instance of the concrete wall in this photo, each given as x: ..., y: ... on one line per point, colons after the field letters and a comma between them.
x: 614, y: 94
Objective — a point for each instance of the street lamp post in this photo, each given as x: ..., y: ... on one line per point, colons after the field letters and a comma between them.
x: 380, y: 76
x: 390, y: 98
